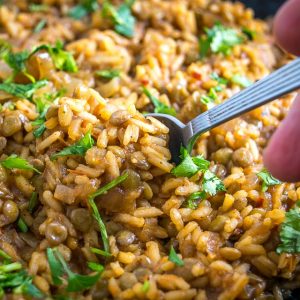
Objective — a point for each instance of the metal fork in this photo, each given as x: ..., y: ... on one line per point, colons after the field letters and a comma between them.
x: 275, y: 85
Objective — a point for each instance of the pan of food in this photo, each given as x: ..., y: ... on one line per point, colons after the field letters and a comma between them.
x: 91, y: 204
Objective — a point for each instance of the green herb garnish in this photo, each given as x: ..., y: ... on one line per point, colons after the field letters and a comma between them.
x: 24, y: 91
x: 59, y: 267
x: 84, y: 8
x: 241, y: 80
x: 219, y: 39
x: 15, y: 162
x: 250, y: 34
x: 189, y: 166
x: 95, y: 210
x: 100, y: 252
x: 33, y: 201
x: 210, y: 97
x: 267, y: 179
x: 63, y: 60
x: 95, y: 267
x: 211, y: 184
x: 38, y: 7
x: 159, y: 107
x: 15, y: 280
x: 121, y: 17
x: 22, y: 225
x: 108, y: 74
x: 194, y: 199
x: 40, y: 25
x: 173, y: 257
x: 145, y: 286
x: 219, y: 79
x: 79, y: 148
x: 290, y: 232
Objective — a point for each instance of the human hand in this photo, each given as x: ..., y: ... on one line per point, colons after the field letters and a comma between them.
x: 282, y: 155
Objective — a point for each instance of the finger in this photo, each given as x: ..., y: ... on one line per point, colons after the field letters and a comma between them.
x: 286, y: 26
x: 282, y: 156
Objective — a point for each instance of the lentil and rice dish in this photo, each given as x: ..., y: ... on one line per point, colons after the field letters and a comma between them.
x: 91, y: 207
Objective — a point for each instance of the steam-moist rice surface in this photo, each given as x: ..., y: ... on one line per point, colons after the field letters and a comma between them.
x: 228, y: 243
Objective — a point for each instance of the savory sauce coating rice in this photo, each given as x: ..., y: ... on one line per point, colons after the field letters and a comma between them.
x: 91, y: 207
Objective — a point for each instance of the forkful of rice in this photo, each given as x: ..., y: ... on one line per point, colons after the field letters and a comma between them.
x: 273, y: 86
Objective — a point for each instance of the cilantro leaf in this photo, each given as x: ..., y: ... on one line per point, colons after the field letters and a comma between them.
x: 145, y: 286
x: 38, y: 7
x: 40, y: 25
x: 173, y: 257
x: 121, y: 17
x: 159, y: 106
x: 290, y: 232
x: 210, y: 97
x: 267, y: 179
x: 79, y: 148
x: 22, y: 225
x: 219, y: 39
x: 63, y: 60
x: 95, y: 210
x: 95, y: 267
x: 215, y: 76
x: 76, y: 282
x: 15, y: 162
x: 33, y: 201
x: 108, y: 74
x: 55, y: 267
x: 85, y: 7
x: 29, y: 289
x: 241, y: 80
x: 194, y: 199
x: 211, y: 183
x: 39, y: 131
x: 25, y: 91
x: 189, y: 166
x: 100, y: 252
x: 250, y: 34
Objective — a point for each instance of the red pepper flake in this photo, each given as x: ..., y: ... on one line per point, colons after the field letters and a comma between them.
x: 197, y: 75
x: 144, y: 81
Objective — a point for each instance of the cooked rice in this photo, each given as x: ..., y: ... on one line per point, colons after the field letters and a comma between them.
x: 228, y: 242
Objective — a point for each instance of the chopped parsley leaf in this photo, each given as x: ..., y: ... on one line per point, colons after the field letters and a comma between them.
x: 241, y: 80
x: 63, y: 60
x: 121, y: 17
x: 24, y: 91
x: 211, y: 184
x: 173, y: 257
x: 95, y: 210
x: 59, y: 267
x: 250, y: 34
x: 40, y: 25
x: 219, y: 39
x: 194, y: 199
x: 189, y: 166
x: 22, y: 225
x: 79, y: 148
x: 215, y: 76
x: 159, y: 107
x: 84, y: 8
x: 15, y: 280
x: 95, y: 267
x: 290, y: 232
x: 267, y: 179
x: 210, y: 97
x: 108, y: 74
x: 15, y: 162
x: 145, y: 286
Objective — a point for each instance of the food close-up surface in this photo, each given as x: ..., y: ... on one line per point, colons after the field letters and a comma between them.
x: 91, y: 204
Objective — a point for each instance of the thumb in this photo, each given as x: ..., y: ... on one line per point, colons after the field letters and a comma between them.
x: 282, y: 156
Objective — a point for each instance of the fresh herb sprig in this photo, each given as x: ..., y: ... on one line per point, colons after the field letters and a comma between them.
x: 173, y: 257
x: 96, y: 214
x: 83, y: 8
x: 159, y: 107
x: 59, y: 268
x: 290, y: 232
x: 108, y: 74
x: 24, y: 91
x: 121, y: 17
x: 219, y: 39
x: 15, y: 162
x: 267, y: 179
x: 79, y: 148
